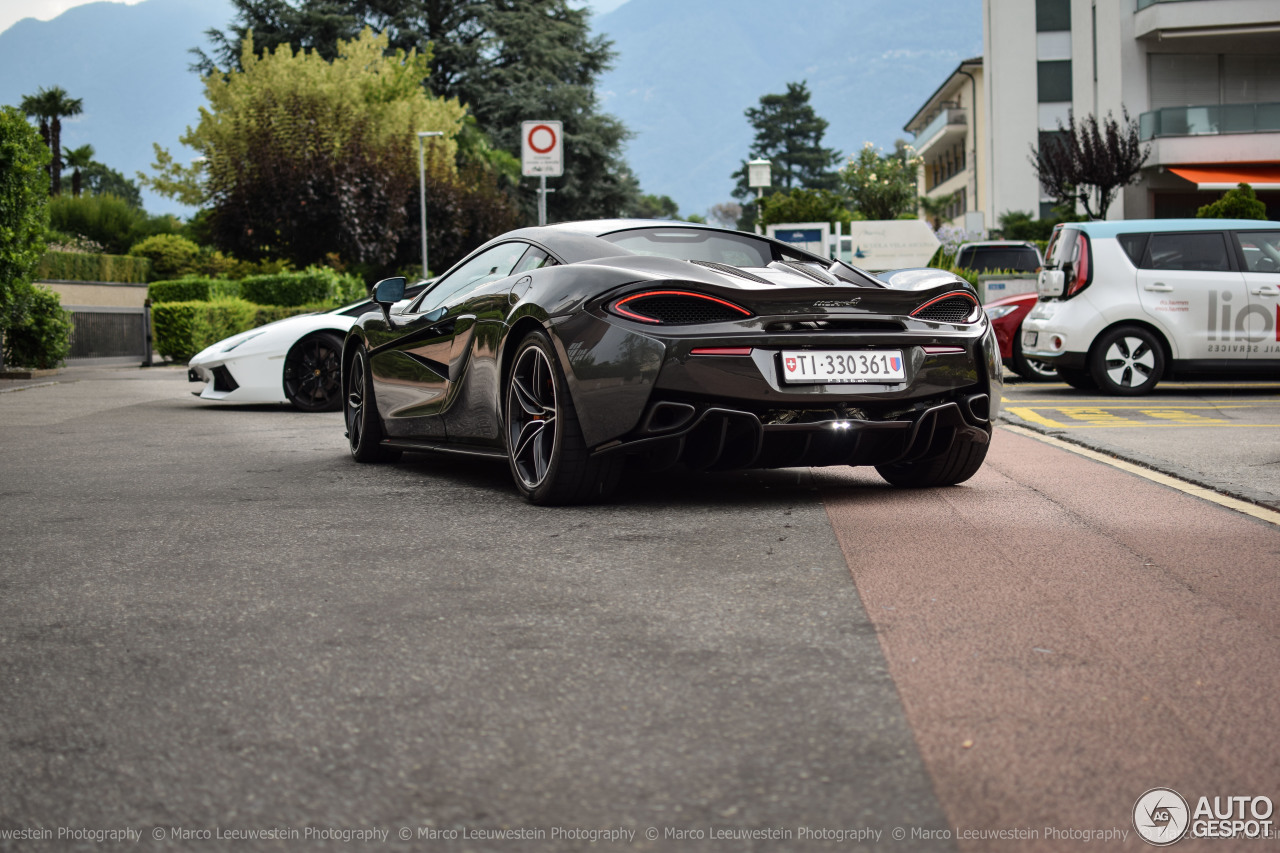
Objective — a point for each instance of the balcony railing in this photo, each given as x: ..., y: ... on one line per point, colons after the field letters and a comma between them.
x: 945, y: 118
x: 1213, y: 119
x: 1142, y: 4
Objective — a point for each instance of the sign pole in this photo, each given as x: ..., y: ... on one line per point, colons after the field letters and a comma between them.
x: 542, y: 156
x: 542, y: 202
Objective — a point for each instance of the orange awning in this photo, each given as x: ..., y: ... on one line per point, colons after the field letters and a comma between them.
x: 1260, y: 176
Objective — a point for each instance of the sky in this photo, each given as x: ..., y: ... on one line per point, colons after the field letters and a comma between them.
x: 12, y: 11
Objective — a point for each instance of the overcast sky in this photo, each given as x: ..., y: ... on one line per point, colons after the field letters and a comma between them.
x: 12, y: 11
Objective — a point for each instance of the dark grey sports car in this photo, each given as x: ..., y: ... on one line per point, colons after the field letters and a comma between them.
x: 568, y: 349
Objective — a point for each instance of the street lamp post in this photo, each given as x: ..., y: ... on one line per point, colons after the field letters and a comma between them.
x: 422, y: 190
x: 758, y: 177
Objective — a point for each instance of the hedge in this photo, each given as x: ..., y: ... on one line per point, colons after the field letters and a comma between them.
x: 79, y: 266
x: 192, y: 289
x: 183, y: 329
x: 314, y: 284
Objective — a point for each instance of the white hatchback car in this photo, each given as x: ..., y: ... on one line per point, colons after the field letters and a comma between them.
x: 1124, y: 304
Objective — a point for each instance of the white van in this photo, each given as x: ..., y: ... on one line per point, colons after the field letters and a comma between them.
x: 1124, y: 304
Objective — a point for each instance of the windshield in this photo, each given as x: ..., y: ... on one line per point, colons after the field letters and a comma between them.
x: 691, y: 244
x: 992, y: 258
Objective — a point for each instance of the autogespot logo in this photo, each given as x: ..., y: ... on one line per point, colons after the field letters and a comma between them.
x: 1161, y: 816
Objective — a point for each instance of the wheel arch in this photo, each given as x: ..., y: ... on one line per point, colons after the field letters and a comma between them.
x: 520, y: 328
x: 1155, y: 330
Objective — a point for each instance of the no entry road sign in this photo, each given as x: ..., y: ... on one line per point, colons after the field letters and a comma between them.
x: 541, y: 149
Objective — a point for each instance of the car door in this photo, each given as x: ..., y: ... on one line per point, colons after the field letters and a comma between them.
x: 1260, y: 322
x: 411, y: 375
x: 1187, y: 283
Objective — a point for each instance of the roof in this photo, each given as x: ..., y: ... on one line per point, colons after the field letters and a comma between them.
x: 973, y: 62
x: 1112, y: 227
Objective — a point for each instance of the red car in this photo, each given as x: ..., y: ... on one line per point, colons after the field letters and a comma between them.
x: 1006, y: 316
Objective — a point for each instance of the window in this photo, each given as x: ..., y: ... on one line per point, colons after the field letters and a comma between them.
x: 533, y: 259
x: 1053, y: 81
x: 1197, y: 252
x: 1261, y: 250
x: 1134, y: 246
x: 1053, y: 15
x: 692, y: 244
x: 490, y: 265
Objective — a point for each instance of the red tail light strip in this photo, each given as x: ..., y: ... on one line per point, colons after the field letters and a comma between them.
x: 943, y: 350
x: 960, y: 293
x: 619, y: 305
x: 721, y: 351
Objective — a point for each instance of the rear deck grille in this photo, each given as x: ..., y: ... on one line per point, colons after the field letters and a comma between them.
x: 957, y: 308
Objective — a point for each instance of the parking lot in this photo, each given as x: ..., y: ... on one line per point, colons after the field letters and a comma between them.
x: 216, y: 624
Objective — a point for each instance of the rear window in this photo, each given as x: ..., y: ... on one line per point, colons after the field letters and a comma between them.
x: 992, y: 258
x: 1197, y: 252
x: 1063, y: 250
x: 691, y: 244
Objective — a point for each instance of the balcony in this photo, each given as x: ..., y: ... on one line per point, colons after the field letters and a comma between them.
x: 1210, y: 120
x: 949, y: 125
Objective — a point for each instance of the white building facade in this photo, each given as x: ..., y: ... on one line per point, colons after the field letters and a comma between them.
x: 950, y: 129
x: 1202, y: 77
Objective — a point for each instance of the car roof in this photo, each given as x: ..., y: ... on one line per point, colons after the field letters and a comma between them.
x: 998, y: 243
x: 1113, y: 227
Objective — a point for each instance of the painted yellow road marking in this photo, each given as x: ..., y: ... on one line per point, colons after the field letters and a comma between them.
x: 1034, y: 416
x: 1259, y: 512
x: 1090, y: 414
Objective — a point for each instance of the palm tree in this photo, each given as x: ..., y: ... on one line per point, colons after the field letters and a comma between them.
x: 77, y: 159
x: 935, y: 208
x: 51, y: 106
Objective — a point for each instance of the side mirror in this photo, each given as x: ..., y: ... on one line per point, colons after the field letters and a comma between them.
x: 386, y: 293
x: 1051, y: 282
x: 389, y: 291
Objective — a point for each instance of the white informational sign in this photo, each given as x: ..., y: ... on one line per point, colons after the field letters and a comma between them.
x: 541, y: 149
x: 874, y: 246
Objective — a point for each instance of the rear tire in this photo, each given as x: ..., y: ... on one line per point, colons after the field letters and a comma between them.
x: 1028, y: 368
x: 961, y: 461
x: 1078, y: 379
x: 1128, y: 361
x: 548, y: 455
x: 364, y: 426
x: 313, y: 373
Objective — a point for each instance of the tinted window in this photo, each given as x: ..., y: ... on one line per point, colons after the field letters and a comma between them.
x: 1261, y: 250
x: 1063, y: 250
x: 490, y: 265
x: 533, y: 259
x: 691, y: 244
x: 1196, y: 252
x: 1134, y: 246
x: 992, y: 258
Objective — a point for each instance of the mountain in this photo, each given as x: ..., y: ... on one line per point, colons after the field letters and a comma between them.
x: 129, y: 66
x: 687, y: 69
x: 685, y: 72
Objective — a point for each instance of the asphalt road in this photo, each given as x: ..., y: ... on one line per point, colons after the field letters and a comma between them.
x: 214, y: 622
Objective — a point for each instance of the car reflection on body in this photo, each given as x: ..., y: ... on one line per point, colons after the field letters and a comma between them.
x: 294, y: 360
x: 567, y: 349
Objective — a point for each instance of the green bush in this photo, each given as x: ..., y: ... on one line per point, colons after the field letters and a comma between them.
x: 81, y: 266
x: 314, y: 284
x: 183, y: 329
x: 107, y: 220
x: 24, y: 189
x: 39, y: 331
x: 1239, y: 203
x: 171, y: 255
x: 193, y: 289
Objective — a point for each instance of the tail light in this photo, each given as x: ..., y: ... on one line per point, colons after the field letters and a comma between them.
x: 676, y: 308
x: 1082, y: 269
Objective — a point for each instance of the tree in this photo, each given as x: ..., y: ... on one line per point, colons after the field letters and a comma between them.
x: 24, y: 194
x: 303, y: 157
x: 936, y: 208
x: 654, y: 207
x: 726, y: 214
x: 51, y: 106
x: 77, y: 159
x: 789, y: 134
x: 881, y: 186
x: 506, y: 60
x: 1089, y: 164
x: 99, y: 179
x: 1239, y: 203
x: 801, y: 205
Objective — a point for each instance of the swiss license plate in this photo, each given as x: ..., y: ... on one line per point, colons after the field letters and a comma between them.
x: 809, y: 366
x: 1029, y: 339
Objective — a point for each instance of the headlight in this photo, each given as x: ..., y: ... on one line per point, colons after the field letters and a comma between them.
x: 1001, y: 311
x: 235, y: 343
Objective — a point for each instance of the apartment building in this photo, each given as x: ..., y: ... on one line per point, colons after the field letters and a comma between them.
x: 950, y: 137
x: 1202, y: 78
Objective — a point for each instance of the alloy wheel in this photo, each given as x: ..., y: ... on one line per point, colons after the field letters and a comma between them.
x: 1129, y: 361
x: 531, y: 416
